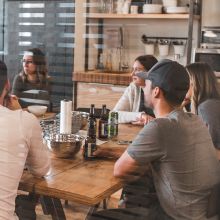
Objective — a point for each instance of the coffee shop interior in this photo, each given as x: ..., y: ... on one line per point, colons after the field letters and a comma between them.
x: 89, y: 48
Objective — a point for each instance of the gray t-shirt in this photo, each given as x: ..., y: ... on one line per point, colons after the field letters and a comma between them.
x: 183, y: 161
x: 209, y: 111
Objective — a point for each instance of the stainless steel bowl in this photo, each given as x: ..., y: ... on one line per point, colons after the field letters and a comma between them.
x: 84, y: 120
x: 64, y: 146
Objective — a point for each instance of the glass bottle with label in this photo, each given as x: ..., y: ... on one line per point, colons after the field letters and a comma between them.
x: 103, y: 123
x: 113, y: 124
x: 90, y: 141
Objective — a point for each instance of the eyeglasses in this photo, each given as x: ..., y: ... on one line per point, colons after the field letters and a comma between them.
x: 27, y: 61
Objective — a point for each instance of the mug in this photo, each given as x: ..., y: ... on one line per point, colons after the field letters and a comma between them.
x: 179, y: 49
x: 163, y: 50
x: 149, y: 49
x: 134, y: 9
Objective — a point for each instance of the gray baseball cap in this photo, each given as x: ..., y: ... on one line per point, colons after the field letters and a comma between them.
x: 168, y: 75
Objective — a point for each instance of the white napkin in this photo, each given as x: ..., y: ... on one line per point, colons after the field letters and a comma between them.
x: 65, y: 117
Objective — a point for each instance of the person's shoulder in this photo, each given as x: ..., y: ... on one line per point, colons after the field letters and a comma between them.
x: 154, y: 125
x: 27, y: 117
x: 24, y: 115
x: 133, y: 85
x: 18, y: 77
x: 173, y: 118
x: 209, y: 103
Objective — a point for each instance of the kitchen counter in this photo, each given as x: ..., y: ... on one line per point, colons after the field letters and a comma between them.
x: 106, y: 87
x: 103, y: 77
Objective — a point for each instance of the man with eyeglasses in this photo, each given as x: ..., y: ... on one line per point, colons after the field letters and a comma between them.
x: 21, y: 144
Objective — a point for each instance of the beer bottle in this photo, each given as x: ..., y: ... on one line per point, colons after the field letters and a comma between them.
x: 103, y: 124
x: 113, y: 124
x: 90, y: 141
x: 92, y: 119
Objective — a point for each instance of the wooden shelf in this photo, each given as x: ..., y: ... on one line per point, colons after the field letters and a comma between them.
x: 103, y: 77
x: 140, y: 16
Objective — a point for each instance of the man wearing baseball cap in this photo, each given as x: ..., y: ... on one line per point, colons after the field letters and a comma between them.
x: 176, y: 147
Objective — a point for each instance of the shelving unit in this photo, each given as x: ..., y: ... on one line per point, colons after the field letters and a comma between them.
x: 189, y: 17
x: 140, y: 16
x: 98, y: 21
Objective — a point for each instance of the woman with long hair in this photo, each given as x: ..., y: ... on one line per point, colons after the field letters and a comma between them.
x: 34, y: 74
x: 131, y: 106
x: 205, y: 98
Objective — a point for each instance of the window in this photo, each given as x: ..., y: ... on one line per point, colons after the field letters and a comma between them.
x: 48, y: 25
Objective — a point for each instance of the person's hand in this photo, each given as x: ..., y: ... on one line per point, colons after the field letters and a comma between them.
x: 13, y: 103
x: 144, y: 119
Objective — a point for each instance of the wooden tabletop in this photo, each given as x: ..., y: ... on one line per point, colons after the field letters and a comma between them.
x: 85, y: 182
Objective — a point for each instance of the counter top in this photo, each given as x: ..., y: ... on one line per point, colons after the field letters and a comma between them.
x: 102, y: 77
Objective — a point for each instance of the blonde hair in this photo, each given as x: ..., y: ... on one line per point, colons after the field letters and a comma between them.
x: 203, y: 82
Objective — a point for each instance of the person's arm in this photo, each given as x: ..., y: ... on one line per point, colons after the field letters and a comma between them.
x: 123, y: 103
x: 128, y: 117
x: 37, y: 162
x: 146, y: 148
x: 128, y: 168
x: 143, y: 119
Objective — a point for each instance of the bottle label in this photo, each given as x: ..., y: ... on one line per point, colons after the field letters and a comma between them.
x: 89, y: 150
x: 104, y: 129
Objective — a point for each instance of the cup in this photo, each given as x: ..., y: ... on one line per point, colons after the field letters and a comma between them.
x: 149, y: 49
x: 126, y: 6
x: 169, y: 3
x: 179, y: 49
x: 163, y: 50
x: 134, y: 9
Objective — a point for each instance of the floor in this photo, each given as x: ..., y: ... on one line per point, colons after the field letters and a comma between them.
x: 75, y: 211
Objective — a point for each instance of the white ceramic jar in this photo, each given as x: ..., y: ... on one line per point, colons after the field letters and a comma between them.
x: 169, y: 3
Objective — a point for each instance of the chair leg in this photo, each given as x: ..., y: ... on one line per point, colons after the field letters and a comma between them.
x: 92, y: 210
x: 105, y: 204
x: 53, y: 207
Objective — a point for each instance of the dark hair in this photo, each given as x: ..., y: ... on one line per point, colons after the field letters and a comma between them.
x: 204, y: 83
x: 3, y: 75
x: 173, y: 99
x: 39, y: 60
x: 148, y: 61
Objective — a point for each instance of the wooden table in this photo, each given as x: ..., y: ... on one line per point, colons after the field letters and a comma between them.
x: 85, y: 182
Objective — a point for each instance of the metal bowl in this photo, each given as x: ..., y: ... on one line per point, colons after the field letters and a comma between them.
x: 64, y: 146
x: 84, y: 120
